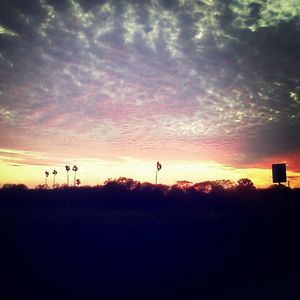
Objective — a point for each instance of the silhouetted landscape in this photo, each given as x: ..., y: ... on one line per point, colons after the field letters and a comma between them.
x: 158, y: 90
x: 132, y: 240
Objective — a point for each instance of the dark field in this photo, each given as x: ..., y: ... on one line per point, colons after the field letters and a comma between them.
x: 87, y: 245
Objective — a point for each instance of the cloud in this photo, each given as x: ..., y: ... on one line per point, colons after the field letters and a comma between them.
x: 193, y: 78
x: 20, y: 157
x: 253, y: 14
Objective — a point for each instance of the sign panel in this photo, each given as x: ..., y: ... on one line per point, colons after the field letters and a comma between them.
x: 279, y: 173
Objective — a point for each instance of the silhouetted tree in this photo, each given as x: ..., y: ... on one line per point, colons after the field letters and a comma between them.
x: 63, y: 186
x: 13, y: 186
x: 41, y: 187
x: 204, y: 186
x: 54, y: 174
x: 67, y: 169
x: 75, y: 169
x: 226, y: 184
x: 183, y: 184
x: 47, y: 175
x: 128, y: 183
x: 217, y: 189
x: 209, y: 186
x: 245, y: 184
x: 158, y: 168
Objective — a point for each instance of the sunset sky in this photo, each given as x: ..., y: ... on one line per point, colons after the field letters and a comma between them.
x: 209, y: 88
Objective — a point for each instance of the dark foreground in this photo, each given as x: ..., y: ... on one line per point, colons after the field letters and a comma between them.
x: 59, y: 249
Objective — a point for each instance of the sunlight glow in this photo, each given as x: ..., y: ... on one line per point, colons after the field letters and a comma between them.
x: 96, y: 171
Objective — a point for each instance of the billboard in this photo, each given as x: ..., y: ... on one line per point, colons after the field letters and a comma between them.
x: 279, y: 173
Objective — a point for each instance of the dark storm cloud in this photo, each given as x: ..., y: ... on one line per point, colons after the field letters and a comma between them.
x: 191, y: 72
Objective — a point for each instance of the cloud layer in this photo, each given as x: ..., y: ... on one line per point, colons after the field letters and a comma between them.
x: 208, y: 80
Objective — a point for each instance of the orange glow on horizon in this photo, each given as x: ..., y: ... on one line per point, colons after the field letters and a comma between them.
x: 95, y: 171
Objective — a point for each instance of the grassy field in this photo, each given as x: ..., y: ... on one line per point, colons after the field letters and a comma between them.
x: 171, y: 253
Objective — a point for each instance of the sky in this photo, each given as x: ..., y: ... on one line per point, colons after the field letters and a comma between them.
x: 209, y: 88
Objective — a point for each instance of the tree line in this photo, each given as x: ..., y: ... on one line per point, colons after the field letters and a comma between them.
x: 207, y: 187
